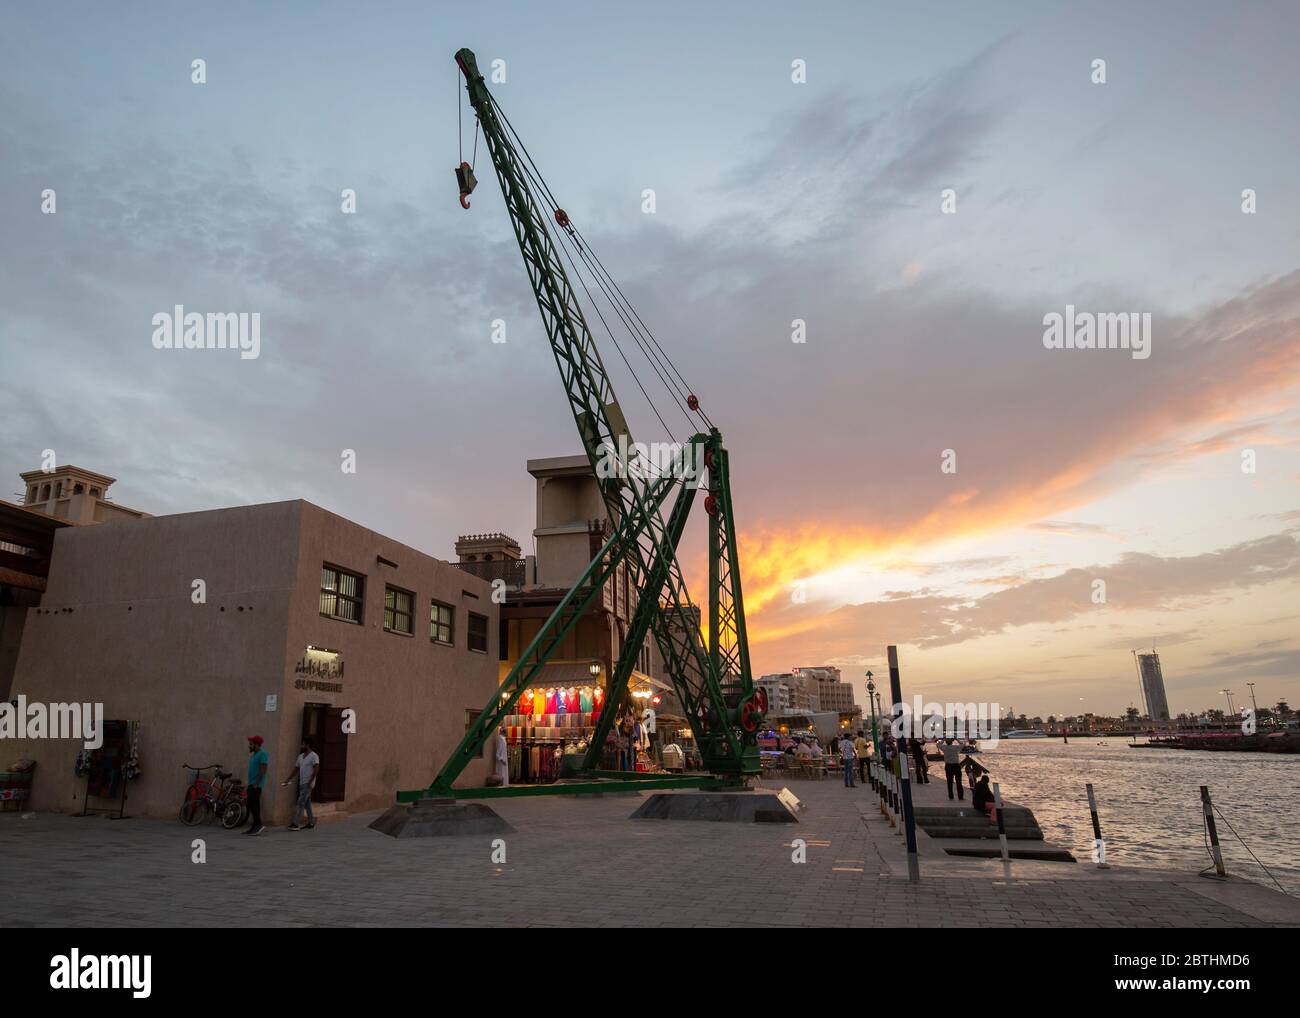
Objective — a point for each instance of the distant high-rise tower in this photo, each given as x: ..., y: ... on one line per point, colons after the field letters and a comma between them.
x: 1153, y: 686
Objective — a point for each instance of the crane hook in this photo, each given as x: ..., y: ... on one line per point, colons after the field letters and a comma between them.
x: 465, y: 179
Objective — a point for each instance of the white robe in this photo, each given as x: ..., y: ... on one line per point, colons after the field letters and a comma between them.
x: 501, y: 759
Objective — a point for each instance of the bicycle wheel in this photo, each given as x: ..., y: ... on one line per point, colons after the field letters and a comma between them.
x: 233, y: 815
x: 194, y: 811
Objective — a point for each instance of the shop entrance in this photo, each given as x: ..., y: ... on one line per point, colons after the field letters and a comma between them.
x: 322, y: 723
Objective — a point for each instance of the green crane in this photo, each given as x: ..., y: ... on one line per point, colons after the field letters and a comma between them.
x: 713, y: 682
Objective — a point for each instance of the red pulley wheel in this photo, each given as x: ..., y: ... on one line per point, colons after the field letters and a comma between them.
x: 711, y: 505
x: 693, y: 401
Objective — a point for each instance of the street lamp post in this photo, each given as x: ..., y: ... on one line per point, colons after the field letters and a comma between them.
x: 871, y: 700
x: 1232, y: 711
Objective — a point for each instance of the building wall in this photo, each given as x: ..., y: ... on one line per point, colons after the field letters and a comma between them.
x: 409, y: 693
x: 118, y: 625
x: 16, y: 603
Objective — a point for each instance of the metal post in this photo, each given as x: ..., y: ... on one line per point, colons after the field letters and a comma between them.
x: 1002, y: 827
x: 1098, y: 845
x: 909, y: 816
x: 1208, y: 807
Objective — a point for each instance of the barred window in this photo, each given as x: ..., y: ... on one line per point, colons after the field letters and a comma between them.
x: 341, y: 594
x: 478, y: 632
x: 399, y: 614
x: 441, y: 618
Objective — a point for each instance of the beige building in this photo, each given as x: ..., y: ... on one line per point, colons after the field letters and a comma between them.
x: 571, y: 527
x: 51, y: 499
x: 789, y: 692
x: 280, y: 620
x: 74, y: 494
x: 832, y: 694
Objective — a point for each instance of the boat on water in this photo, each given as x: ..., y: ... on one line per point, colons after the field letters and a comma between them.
x: 1226, y: 742
x: 1026, y: 733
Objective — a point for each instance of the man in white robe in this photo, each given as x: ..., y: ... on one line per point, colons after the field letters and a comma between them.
x: 501, y: 758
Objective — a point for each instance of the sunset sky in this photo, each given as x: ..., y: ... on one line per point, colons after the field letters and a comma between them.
x: 775, y: 201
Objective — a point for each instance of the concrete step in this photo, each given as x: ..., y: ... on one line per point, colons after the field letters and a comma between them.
x: 1013, y: 834
x: 966, y: 810
x: 328, y: 812
x: 984, y: 850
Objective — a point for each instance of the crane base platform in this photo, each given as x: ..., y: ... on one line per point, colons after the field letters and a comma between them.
x: 592, y: 783
x: 751, y: 806
x: 440, y: 818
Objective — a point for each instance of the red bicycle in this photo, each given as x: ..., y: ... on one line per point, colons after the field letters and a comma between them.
x: 218, y: 796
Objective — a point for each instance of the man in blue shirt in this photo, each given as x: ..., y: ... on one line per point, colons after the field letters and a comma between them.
x: 257, y: 766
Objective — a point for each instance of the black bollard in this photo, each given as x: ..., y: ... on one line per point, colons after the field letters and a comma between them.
x: 1002, y: 827
x: 1208, y: 807
x: 905, y: 788
x: 1098, y: 845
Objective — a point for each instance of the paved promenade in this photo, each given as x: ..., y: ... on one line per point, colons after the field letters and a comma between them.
x: 579, y: 862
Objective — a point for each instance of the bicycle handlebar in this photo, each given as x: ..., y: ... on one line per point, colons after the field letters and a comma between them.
x: 209, y: 767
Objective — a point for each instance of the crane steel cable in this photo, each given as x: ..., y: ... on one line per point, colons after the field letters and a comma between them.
x: 569, y: 244
x: 649, y: 335
x: 532, y: 174
x: 531, y: 170
x: 605, y: 283
x: 680, y: 404
x: 617, y: 346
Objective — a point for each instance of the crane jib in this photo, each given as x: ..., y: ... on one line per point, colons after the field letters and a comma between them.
x: 712, y: 678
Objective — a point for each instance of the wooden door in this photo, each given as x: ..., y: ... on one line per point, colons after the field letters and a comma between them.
x: 322, y: 724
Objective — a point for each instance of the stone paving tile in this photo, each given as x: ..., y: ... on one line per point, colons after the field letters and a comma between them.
x: 569, y: 863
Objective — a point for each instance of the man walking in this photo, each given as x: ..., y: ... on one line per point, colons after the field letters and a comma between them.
x: 257, y: 764
x: 918, y: 757
x: 952, y: 766
x: 860, y: 746
x: 847, y: 756
x: 305, y: 769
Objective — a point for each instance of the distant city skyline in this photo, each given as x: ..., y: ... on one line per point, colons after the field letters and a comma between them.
x: 919, y: 470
